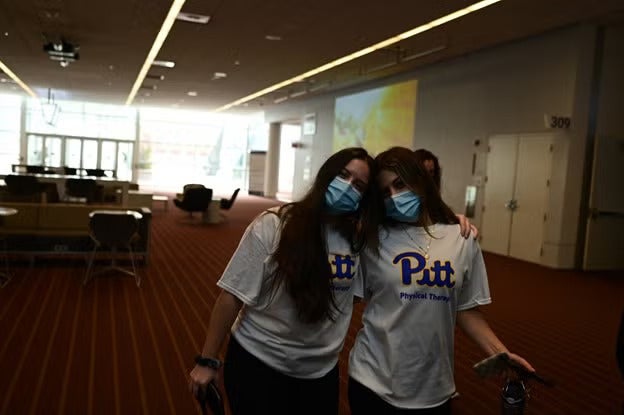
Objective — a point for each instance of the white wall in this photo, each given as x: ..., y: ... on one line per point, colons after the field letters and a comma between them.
x: 503, y: 90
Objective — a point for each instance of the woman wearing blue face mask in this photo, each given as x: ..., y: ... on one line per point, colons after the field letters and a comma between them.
x: 287, y: 296
x: 424, y: 279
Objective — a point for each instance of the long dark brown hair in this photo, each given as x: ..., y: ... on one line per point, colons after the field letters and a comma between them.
x: 406, y: 165
x: 301, y: 255
x: 423, y: 155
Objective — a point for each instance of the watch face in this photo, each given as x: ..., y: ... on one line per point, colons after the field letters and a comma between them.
x: 208, y: 362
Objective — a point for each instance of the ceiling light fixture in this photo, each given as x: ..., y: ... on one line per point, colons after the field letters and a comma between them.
x: 158, y: 42
x: 273, y: 37
x: 14, y: 77
x: 298, y: 94
x: 383, y: 44
x: 164, y: 64
x: 423, y: 53
x: 193, y: 18
x: 50, y: 110
x: 155, y: 77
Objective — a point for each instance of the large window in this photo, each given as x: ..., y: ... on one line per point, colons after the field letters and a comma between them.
x: 175, y: 147
x: 84, y: 120
x: 10, y: 110
x: 178, y: 147
x: 84, y: 135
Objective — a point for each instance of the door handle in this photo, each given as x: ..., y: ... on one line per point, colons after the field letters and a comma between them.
x: 512, y: 204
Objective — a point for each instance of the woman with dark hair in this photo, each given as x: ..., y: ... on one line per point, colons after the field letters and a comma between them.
x: 289, y: 286
x: 430, y: 163
x: 424, y: 279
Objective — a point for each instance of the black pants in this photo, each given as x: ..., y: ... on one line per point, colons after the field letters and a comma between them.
x: 364, y: 401
x: 255, y: 388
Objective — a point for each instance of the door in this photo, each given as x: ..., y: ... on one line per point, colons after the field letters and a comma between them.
x: 517, y: 195
x: 35, y: 150
x: 73, y: 151
x: 90, y: 154
x: 531, y: 198
x: 53, y: 153
x: 604, y: 242
x: 499, y: 191
x: 289, y: 134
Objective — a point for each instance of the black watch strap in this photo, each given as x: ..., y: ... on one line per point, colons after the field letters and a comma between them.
x: 208, y: 362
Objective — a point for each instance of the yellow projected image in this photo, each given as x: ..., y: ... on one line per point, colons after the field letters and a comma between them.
x: 376, y: 119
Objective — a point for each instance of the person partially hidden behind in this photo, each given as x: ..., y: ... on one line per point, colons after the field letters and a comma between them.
x: 430, y: 164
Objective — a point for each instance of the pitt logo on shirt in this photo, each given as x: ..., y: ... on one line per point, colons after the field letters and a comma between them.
x: 342, y: 266
x: 436, y: 276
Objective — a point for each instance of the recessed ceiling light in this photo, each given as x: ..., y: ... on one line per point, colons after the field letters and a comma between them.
x: 219, y: 75
x: 273, y: 37
x: 155, y: 77
x: 192, y: 93
x: 164, y: 64
x: 111, y: 67
x: 298, y: 94
x: 193, y: 18
x: 6, y: 33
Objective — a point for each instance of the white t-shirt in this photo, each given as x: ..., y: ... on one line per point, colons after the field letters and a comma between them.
x: 267, y: 325
x: 404, y: 352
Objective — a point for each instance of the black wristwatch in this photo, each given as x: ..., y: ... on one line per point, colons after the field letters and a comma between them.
x: 208, y: 362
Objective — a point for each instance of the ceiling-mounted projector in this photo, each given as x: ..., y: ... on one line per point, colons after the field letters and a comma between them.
x: 62, y: 52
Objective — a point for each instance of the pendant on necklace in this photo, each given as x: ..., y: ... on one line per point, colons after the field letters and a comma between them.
x: 426, y: 257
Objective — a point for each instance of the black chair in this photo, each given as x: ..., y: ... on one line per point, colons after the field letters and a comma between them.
x: 80, y: 190
x: 95, y: 172
x: 194, y: 199
x: 70, y: 171
x: 113, y: 229
x: 35, y: 169
x: 23, y: 188
x: 226, y: 204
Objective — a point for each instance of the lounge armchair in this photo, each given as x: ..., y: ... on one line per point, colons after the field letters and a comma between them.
x: 194, y: 199
x: 226, y: 204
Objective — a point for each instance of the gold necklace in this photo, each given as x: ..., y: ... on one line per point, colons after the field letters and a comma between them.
x: 424, y: 251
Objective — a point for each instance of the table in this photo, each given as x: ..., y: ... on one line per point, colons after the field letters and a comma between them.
x: 59, y: 180
x: 213, y: 213
x: 5, y: 277
x: 162, y: 199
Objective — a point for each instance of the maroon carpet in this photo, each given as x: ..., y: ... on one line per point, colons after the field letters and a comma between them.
x: 113, y: 348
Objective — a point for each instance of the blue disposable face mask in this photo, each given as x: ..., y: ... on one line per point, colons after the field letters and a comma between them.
x: 404, y: 206
x: 341, y: 197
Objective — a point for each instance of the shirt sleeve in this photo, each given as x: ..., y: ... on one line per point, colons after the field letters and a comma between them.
x: 475, y: 289
x: 248, y: 269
